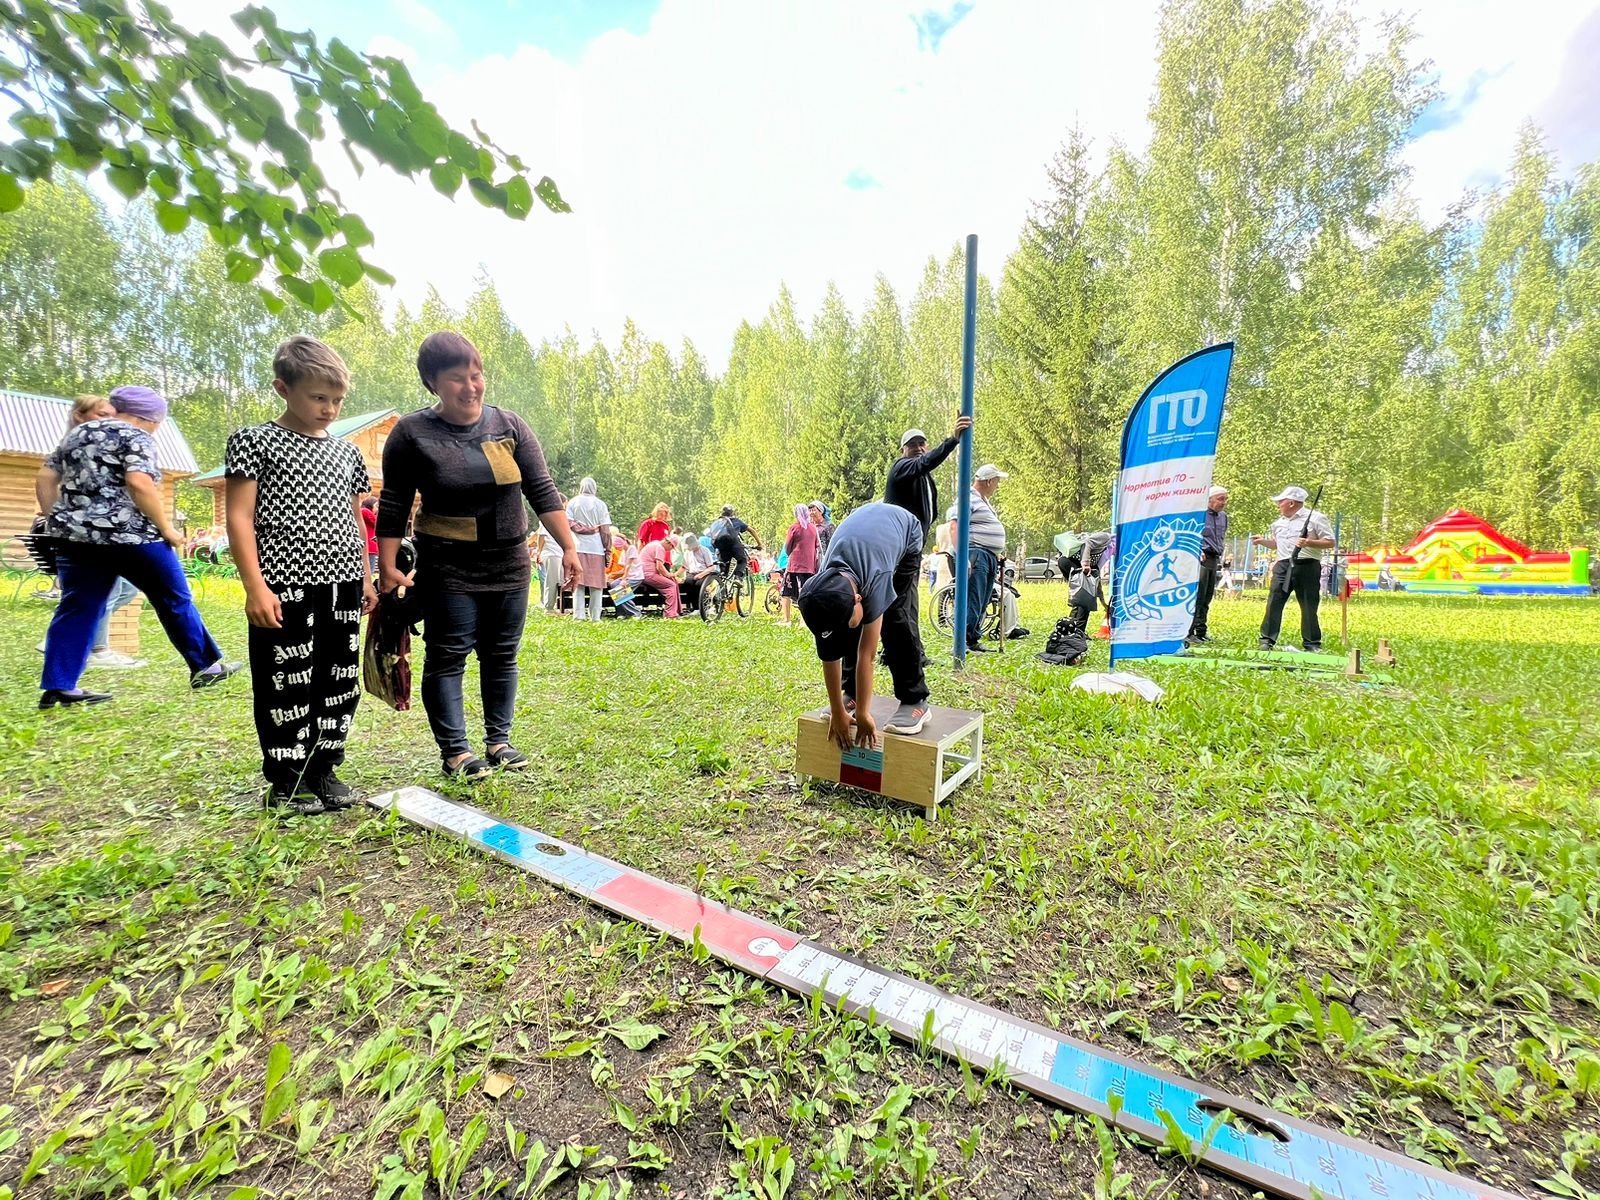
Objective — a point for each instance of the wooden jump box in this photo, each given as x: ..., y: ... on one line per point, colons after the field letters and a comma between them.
x: 923, y: 769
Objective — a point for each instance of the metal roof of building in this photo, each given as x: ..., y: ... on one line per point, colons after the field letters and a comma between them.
x: 342, y: 428
x: 34, y: 425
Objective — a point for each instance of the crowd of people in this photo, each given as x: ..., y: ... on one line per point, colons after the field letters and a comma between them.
x: 449, y: 538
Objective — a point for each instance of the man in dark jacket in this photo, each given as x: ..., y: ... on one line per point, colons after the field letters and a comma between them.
x: 911, y: 484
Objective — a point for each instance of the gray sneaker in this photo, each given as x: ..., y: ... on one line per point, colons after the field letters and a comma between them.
x: 908, y: 719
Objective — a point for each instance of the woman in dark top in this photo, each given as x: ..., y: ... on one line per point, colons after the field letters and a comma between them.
x: 473, y: 464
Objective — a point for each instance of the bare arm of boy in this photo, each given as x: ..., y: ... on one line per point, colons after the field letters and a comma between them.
x: 838, y: 719
x: 369, y: 594
x: 866, y: 657
x: 261, y: 607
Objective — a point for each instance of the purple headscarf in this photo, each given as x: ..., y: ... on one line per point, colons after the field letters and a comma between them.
x: 135, y: 400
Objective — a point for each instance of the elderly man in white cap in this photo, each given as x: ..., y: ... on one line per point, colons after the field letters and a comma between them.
x: 1213, y: 541
x: 988, y: 543
x: 1297, y: 529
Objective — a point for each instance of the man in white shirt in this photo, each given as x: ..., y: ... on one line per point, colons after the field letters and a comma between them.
x: 1299, y: 536
x: 987, y: 543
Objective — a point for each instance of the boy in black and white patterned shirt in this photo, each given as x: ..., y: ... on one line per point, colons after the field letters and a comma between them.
x: 295, y: 530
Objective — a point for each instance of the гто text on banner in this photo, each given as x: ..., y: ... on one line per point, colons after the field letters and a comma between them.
x: 1168, y: 447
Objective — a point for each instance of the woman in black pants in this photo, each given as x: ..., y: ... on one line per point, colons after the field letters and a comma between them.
x: 472, y: 464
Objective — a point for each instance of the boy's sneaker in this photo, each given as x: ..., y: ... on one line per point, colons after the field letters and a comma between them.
x: 333, y: 791
x: 295, y: 801
x: 214, y: 674
x: 1264, y: 644
x: 908, y: 719
x: 114, y: 659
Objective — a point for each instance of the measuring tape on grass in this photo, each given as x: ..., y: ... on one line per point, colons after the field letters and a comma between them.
x: 1267, y: 1149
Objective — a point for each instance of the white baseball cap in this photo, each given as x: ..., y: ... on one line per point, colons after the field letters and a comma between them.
x: 1291, y: 493
x: 913, y: 435
x: 1217, y: 490
x: 990, y: 471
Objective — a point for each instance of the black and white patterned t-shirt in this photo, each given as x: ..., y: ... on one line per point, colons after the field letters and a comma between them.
x: 306, y: 530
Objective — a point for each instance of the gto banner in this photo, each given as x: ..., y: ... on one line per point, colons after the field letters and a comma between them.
x: 1168, y: 447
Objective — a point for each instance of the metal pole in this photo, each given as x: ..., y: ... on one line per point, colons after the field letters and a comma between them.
x: 969, y: 353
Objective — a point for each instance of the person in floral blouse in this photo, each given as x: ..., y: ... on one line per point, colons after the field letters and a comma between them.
x: 100, y: 491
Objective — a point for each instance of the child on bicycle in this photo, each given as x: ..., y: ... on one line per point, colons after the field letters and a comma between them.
x: 294, y: 525
x: 864, y: 592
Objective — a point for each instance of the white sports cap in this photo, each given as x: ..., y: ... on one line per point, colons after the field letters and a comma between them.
x: 990, y: 471
x: 1291, y: 493
x: 913, y: 435
x: 1217, y: 490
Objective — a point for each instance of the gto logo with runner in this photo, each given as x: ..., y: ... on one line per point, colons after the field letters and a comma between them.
x: 1162, y: 572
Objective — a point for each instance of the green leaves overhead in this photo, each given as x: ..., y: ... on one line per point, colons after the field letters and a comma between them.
x: 119, y: 86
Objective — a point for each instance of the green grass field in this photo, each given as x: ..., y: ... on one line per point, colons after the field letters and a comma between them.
x: 1377, y: 908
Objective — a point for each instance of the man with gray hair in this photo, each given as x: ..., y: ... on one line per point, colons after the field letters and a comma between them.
x: 1213, y: 541
x: 987, y: 538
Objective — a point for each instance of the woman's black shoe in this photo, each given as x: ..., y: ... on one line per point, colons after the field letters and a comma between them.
x: 508, y: 757
x: 54, y: 696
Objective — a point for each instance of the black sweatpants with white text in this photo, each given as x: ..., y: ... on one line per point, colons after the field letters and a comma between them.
x: 307, y: 680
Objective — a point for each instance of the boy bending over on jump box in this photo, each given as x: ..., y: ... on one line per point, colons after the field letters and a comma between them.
x: 864, y: 591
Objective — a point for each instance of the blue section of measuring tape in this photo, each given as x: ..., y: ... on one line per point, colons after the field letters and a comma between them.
x: 867, y: 760
x: 575, y: 868
x: 1336, y: 1170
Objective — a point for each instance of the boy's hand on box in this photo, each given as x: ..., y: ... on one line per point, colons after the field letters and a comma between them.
x: 261, y: 609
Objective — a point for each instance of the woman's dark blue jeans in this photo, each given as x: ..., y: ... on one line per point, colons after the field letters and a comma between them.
x: 88, y: 574
x: 454, y: 625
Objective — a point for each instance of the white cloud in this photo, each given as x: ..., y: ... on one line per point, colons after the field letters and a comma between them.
x: 707, y: 159
x: 1517, y: 58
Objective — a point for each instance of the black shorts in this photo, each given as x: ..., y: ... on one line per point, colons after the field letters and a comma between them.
x: 793, y: 581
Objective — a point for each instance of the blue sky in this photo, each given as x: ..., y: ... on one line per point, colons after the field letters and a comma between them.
x: 716, y: 150
x: 477, y: 27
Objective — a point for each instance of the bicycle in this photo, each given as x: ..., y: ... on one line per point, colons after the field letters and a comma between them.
x: 730, y: 586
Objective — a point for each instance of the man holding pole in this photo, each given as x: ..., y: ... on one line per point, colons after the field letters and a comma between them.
x: 1213, y: 541
x: 911, y: 485
x: 1299, y: 536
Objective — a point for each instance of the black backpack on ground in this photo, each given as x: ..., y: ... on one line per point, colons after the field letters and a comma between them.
x: 1067, y: 645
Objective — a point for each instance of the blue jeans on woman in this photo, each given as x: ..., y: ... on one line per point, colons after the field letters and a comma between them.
x: 455, y: 624
x: 89, y: 572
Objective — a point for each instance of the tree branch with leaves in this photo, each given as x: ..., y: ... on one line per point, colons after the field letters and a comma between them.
x: 119, y: 86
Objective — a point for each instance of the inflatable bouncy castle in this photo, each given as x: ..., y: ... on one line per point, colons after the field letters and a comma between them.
x: 1461, y: 552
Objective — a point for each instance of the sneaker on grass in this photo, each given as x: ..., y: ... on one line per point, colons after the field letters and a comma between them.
x: 333, y: 791
x: 114, y: 660
x: 298, y: 801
